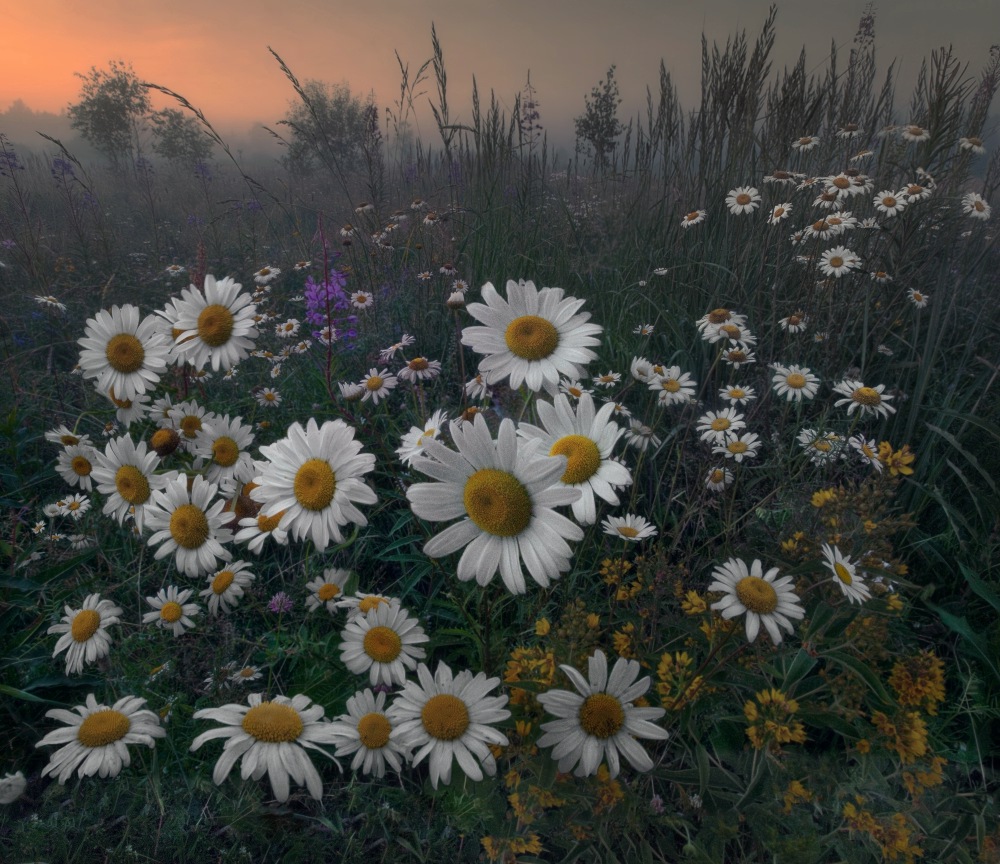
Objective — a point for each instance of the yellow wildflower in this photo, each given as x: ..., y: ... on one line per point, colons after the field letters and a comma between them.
x: 908, y: 735
x: 770, y: 721
x: 542, y: 627
x: 796, y: 793
x: 823, y: 497
x: 919, y: 679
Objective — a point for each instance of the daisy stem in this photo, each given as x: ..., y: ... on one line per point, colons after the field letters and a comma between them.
x: 461, y: 354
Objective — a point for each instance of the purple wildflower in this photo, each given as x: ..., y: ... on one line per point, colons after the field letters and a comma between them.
x: 280, y: 603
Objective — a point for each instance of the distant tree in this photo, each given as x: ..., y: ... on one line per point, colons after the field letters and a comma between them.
x: 328, y: 126
x: 177, y: 136
x: 599, y: 126
x: 111, y: 111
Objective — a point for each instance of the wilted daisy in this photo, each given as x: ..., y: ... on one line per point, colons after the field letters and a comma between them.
x: 67, y: 437
x: 867, y: 450
x: 743, y: 199
x: 95, y: 738
x: 420, y: 369
x: 532, y: 337
x: 377, y: 385
x: 123, y: 352
x: 384, y: 643
x: 215, y: 326
x: 268, y: 397
x: 84, y: 637
x: 412, y: 446
x: 914, y: 133
x: 326, y: 590
x: 795, y: 383
x: 972, y: 144
x: 821, y: 446
x: 918, y: 298
x: 504, y: 493
x: 171, y: 611
x: 266, y: 274
x: 315, y: 474
x: 672, y: 386
x: 476, y: 389
x: 871, y: 400
x: 762, y: 597
x: 738, y: 447
x: 848, y: 131
x: 223, y: 447
x: 366, y: 732
x: 718, y: 479
x: 779, y: 213
x: 189, y: 524
x: 695, y: 217
x: 586, y: 438
x: 888, y: 202
x: 641, y: 436
x: 975, y: 206
x: 227, y: 586
x: 838, y: 261
x: 629, y: 527
x: 449, y: 717
x: 805, y: 143
x: 736, y: 395
x: 600, y: 720
x: 845, y: 575
x: 715, y: 425
x: 271, y: 737
x: 794, y: 323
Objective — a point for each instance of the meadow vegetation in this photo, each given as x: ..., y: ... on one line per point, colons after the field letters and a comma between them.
x: 318, y: 439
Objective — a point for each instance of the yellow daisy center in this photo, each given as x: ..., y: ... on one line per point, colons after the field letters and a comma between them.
x: 375, y: 382
x: 627, y: 531
x: 804, y: 141
x: 85, y: 624
x: 225, y: 451
x: 671, y: 385
x: 978, y: 206
x: 102, y: 728
x: 497, y: 502
x: 720, y: 424
x: 694, y: 214
x: 81, y: 466
x: 778, y: 212
x: 822, y: 445
x: 731, y: 330
x: 866, y: 396
x: 582, y: 457
x: 69, y: 440
x: 223, y: 579
x: 841, y: 182
x: 601, y: 715
x: 164, y: 441
x: 315, y: 484
x: 796, y: 381
x: 843, y: 574
x: 374, y: 730
x: 743, y: 198
x: 370, y: 602
x: 382, y: 644
x: 189, y: 526
x: 132, y: 484
x: 273, y: 723
x: 836, y: 261
x: 757, y: 595
x: 215, y: 325
x: 737, y: 393
x: 445, y: 717
x: 171, y: 612
x: 531, y: 337
x: 888, y: 201
x: 717, y: 476
x: 736, y: 355
x: 267, y: 524
x: 328, y: 591
x: 820, y: 226
x: 418, y: 364
x: 190, y: 425
x: 125, y: 353
x: 737, y: 447
x: 718, y: 316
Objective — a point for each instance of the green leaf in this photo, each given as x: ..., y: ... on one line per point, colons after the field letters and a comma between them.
x: 864, y: 672
x: 983, y: 589
x: 24, y: 695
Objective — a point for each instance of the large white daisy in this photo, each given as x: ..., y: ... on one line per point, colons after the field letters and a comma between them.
x: 272, y: 738
x: 216, y: 326
x: 122, y: 352
x: 384, y: 643
x: 95, y: 738
x: 761, y: 596
x: 125, y: 473
x: 367, y: 732
x: 189, y: 524
x: 315, y: 474
x: 223, y: 447
x: 602, y: 720
x: 533, y: 336
x: 586, y: 438
x: 84, y: 637
x: 504, y: 494
x: 449, y: 717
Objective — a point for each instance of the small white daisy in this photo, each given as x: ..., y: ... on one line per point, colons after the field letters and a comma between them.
x: 845, y: 575
x: 762, y: 597
x: 76, y: 464
x: 326, y: 590
x: 227, y: 586
x: 367, y: 733
x: 171, y: 610
x: 743, y: 199
x: 384, y: 643
x: 630, y: 527
x: 870, y: 400
x: 84, y: 637
x: 718, y: 479
x: 738, y: 447
x: 377, y: 385
x: 795, y: 383
x: 736, y: 395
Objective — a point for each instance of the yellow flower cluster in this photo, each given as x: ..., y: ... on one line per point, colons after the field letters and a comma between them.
x: 506, y: 849
x: 677, y: 684
x: 613, y: 570
x: 897, y: 461
x: 534, y: 665
x: 796, y: 793
x: 907, y: 736
x: 894, y: 836
x: 609, y: 792
x: 625, y: 641
x: 770, y: 721
x: 919, y: 679
x: 918, y: 781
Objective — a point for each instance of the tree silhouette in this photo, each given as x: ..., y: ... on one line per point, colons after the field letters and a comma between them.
x: 112, y: 110
x: 599, y: 126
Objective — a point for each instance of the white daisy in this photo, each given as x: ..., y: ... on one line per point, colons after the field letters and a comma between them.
x: 74, y: 506
x: 573, y: 389
x: 287, y: 329
x: 413, y: 441
x: 867, y: 450
x: 763, y: 598
x: 126, y: 474
x: 449, y: 718
x: 268, y: 397
x: 736, y: 395
x: 476, y: 389
x: 718, y: 479
x: 255, y: 531
x: 845, y: 575
x: 794, y: 323
x: 918, y: 298
x: 779, y: 213
x: 914, y: 133
x: 738, y: 447
x: 821, y: 446
x: 532, y: 337
x: 362, y: 299
x: 975, y: 206
x: 189, y: 419
x: 888, y: 202
x: 76, y: 464
x: 838, y: 261
x: 586, y: 438
x: 367, y: 732
x: 266, y: 274
x: 672, y: 386
x: 315, y: 474
x: 362, y: 604
x: 695, y: 217
x: 123, y: 352
x: 871, y: 400
x: 12, y: 787
x: 189, y: 524
x: 913, y: 192
x: 223, y: 447
x: 715, y: 425
x: 504, y: 495
x: 171, y: 611
x: 95, y: 738
x: 377, y: 385
x: 805, y: 143
x: 215, y: 325
x: 641, y: 436
x: 630, y: 527
x: 84, y: 637
x: 227, y: 586
x: 272, y: 738
x: 67, y: 437
x: 384, y: 643
x: 420, y: 369
x: 600, y: 721
x: 795, y: 383
x: 743, y: 199
x: 327, y: 589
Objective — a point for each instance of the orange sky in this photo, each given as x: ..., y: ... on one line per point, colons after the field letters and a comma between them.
x: 215, y: 51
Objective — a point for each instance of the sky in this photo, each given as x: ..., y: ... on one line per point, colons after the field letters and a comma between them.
x: 214, y: 52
